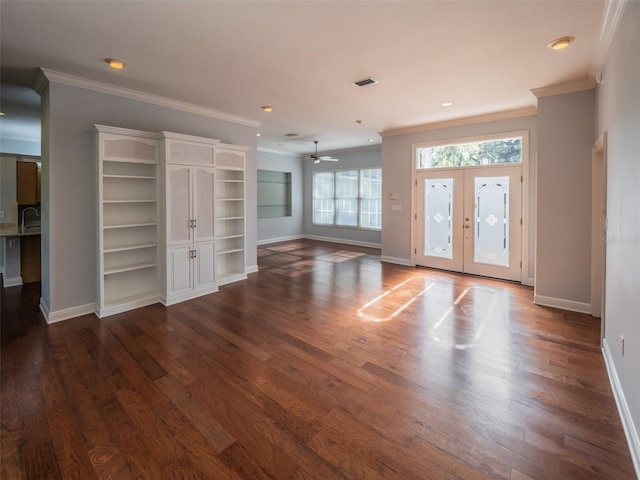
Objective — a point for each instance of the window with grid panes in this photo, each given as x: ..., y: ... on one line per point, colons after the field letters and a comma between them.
x: 348, y: 198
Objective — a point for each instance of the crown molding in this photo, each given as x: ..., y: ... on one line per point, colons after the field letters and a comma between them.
x: 490, y: 117
x: 570, y: 87
x: 45, y: 76
x: 613, y: 10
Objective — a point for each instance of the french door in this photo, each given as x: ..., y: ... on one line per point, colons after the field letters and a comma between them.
x: 469, y: 220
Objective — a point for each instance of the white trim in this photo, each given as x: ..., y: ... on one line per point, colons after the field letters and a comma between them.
x: 13, y: 282
x: 489, y: 117
x: 570, y: 87
x: 46, y: 75
x: 288, y: 238
x: 188, y: 138
x: 124, y: 307
x: 126, y: 132
x: 190, y: 295
x: 562, y: 303
x: 65, y: 314
x: 252, y: 269
x: 344, y: 241
x: 630, y: 430
x: 610, y: 18
x: 397, y: 260
x: 530, y: 282
x: 44, y: 308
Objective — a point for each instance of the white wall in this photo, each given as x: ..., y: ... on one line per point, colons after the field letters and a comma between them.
x: 69, y: 184
x: 563, y: 240
x: 619, y: 115
x: 397, y: 170
x: 281, y: 228
x: 349, y: 159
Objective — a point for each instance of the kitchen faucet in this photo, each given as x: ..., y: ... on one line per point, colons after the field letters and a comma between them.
x: 25, y: 210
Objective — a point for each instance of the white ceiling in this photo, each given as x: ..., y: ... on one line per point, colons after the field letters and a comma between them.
x: 302, y: 56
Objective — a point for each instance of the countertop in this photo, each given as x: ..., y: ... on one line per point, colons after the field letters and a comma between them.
x: 13, y: 230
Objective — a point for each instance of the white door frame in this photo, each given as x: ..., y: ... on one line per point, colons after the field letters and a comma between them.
x: 524, y: 134
x: 599, y: 229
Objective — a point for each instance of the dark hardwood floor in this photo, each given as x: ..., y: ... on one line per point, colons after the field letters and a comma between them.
x: 327, y: 364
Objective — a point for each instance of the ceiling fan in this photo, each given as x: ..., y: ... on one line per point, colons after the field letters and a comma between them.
x: 321, y: 158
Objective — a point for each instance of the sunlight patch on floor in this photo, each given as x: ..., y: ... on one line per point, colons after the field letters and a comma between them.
x: 391, y: 299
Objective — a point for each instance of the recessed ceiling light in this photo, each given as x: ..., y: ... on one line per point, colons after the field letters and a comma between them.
x: 267, y: 108
x: 1, y: 114
x: 370, y: 140
x: 257, y: 134
x: 115, y: 63
x: 446, y: 104
x: 560, y: 43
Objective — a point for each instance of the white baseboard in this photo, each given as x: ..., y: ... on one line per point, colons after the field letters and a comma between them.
x: 630, y: 430
x: 280, y: 239
x: 407, y: 262
x: 252, y: 269
x: 563, y: 304
x: 320, y: 239
x: 65, y: 314
x: 530, y: 282
x: 13, y: 282
x: 44, y: 308
x: 344, y: 241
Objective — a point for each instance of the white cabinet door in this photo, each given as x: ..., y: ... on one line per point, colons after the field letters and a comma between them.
x: 203, y: 200
x: 179, y: 271
x: 179, y: 209
x: 203, y: 264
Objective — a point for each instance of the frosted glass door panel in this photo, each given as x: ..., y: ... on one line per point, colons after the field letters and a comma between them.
x: 438, y: 207
x: 491, y: 216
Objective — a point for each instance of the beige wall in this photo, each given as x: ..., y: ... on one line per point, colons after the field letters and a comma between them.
x: 563, y: 200
x: 619, y: 116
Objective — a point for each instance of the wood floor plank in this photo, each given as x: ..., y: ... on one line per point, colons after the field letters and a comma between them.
x: 325, y: 364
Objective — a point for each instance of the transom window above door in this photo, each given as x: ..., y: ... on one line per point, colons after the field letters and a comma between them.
x: 470, y: 152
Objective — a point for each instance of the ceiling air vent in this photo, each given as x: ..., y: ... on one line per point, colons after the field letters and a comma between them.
x: 365, y: 82
x: 290, y: 135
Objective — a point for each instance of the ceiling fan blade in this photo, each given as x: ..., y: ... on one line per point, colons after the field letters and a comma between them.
x: 329, y: 159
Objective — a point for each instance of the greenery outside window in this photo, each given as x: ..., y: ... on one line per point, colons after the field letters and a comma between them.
x: 348, y: 198
x: 490, y: 151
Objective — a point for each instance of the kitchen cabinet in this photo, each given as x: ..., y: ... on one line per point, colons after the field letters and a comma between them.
x: 190, y: 218
x: 128, y: 219
x: 30, y: 263
x: 27, y: 183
